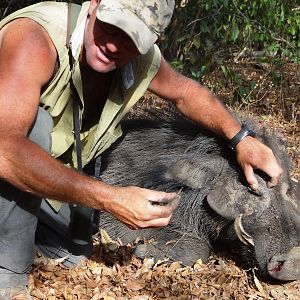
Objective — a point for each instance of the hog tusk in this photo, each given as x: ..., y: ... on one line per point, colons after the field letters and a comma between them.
x: 243, y: 236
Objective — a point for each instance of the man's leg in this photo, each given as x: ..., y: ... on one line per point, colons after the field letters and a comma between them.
x: 55, y: 235
x: 18, y: 217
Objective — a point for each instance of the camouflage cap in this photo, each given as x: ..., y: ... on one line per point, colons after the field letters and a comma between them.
x: 142, y: 20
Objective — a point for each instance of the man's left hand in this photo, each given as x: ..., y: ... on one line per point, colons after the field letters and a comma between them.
x: 252, y: 154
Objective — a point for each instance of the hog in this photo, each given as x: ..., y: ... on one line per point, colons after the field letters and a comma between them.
x: 164, y: 151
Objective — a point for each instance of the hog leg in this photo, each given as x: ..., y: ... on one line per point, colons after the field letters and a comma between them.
x: 177, y: 243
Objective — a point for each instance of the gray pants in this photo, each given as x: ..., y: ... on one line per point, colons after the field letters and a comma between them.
x: 54, y: 235
x: 18, y: 217
x: 20, y: 213
x: 28, y: 223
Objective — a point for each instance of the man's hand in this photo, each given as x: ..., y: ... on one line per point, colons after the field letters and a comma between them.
x: 140, y: 208
x: 252, y: 154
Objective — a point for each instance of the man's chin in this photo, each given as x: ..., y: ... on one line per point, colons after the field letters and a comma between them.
x: 103, y: 68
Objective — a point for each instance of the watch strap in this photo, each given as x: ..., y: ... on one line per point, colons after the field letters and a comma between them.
x: 244, y: 132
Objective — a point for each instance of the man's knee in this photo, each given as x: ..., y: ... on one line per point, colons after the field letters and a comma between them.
x: 40, y: 132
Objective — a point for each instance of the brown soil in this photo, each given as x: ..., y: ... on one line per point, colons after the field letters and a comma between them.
x: 113, y: 273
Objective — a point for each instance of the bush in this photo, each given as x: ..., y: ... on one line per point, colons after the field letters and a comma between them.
x: 203, y: 32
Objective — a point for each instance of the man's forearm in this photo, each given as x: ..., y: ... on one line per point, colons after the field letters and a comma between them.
x: 193, y: 100
x: 29, y: 168
x: 200, y: 105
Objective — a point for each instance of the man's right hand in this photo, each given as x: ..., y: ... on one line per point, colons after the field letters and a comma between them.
x: 140, y: 208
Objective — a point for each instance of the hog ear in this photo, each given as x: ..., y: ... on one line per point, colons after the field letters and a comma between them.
x: 233, y: 199
x: 197, y: 171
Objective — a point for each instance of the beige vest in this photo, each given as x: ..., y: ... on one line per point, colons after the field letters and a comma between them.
x: 56, y: 97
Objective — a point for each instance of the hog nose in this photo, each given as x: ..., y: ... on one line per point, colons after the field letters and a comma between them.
x: 285, y: 267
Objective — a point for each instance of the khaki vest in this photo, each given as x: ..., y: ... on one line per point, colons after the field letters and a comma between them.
x: 56, y: 98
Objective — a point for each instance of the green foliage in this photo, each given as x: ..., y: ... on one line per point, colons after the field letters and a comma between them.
x: 203, y: 32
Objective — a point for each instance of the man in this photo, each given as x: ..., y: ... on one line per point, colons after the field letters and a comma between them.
x: 114, y: 62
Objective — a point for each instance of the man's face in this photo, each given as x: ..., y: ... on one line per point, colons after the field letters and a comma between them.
x: 106, y: 47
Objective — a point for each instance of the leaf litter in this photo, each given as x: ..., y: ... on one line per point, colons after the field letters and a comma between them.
x: 116, y: 274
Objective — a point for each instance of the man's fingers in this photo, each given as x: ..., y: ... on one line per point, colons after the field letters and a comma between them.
x: 164, y: 206
x: 162, y: 197
x: 170, y: 200
x: 250, y: 177
x: 275, y: 174
x: 252, y: 154
x: 159, y: 222
x: 274, y: 171
x: 273, y: 181
x: 148, y: 208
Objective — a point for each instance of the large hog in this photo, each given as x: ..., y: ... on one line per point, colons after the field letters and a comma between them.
x: 166, y: 152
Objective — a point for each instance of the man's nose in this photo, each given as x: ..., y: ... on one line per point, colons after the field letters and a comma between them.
x: 114, y: 43
x: 112, y: 47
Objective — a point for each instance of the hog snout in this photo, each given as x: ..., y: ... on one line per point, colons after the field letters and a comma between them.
x: 285, y: 267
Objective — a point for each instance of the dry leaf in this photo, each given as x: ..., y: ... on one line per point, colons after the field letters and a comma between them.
x: 258, y: 284
x: 145, y: 268
x: 174, y: 266
x: 135, y: 284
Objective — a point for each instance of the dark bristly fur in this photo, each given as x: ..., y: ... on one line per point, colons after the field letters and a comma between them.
x: 162, y: 150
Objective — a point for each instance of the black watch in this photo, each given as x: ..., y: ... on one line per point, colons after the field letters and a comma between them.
x: 245, y: 131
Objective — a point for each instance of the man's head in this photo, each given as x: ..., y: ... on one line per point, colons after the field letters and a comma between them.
x: 119, y: 30
x: 142, y: 20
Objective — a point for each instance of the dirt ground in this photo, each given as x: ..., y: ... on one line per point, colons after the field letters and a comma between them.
x: 113, y: 273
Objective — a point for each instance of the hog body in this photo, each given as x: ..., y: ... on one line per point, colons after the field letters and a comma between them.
x: 164, y: 151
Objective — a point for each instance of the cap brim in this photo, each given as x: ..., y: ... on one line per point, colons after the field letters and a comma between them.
x: 128, y: 22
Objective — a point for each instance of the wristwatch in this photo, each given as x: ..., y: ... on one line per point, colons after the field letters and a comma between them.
x: 245, y: 131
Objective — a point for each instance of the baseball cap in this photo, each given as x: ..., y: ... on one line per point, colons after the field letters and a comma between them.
x: 142, y: 20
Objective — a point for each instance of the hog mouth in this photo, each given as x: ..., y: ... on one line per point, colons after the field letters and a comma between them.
x: 286, y: 266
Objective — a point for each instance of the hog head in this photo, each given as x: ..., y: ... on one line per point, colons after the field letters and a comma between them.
x: 266, y: 220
